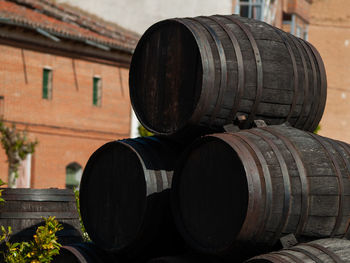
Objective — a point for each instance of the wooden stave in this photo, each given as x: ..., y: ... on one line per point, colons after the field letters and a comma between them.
x: 303, y: 230
x: 331, y: 250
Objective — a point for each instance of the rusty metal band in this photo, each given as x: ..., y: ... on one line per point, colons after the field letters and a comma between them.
x: 302, y: 175
x: 339, y: 175
x: 328, y: 252
x: 222, y: 87
x: 76, y: 252
x: 254, y: 187
x: 323, y: 78
x: 295, y: 71
x: 270, y: 257
x: 159, y: 180
x: 286, y: 183
x: 308, y: 122
x: 263, y: 171
x: 39, y: 198
x: 306, y: 83
x: 240, y: 67
x: 289, y: 255
x: 306, y: 253
x: 259, y: 69
x: 207, y: 63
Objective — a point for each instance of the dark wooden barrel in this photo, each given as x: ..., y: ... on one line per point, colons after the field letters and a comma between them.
x: 247, y: 189
x: 23, y: 210
x: 84, y: 253
x: 124, y: 197
x: 212, y: 71
x: 330, y: 250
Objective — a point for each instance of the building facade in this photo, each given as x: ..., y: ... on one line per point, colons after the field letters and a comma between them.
x: 329, y: 31
x: 63, y: 79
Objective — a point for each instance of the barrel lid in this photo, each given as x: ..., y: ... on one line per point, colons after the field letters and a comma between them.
x: 210, y: 195
x: 113, y: 196
x: 165, y: 76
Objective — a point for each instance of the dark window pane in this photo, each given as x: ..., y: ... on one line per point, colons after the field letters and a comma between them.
x: 244, y: 11
x: 96, y: 91
x: 47, y: 85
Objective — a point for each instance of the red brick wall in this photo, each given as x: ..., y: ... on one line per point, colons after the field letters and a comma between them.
x: 329, y: 31
x: 69, y: 128
x: 299, y: 7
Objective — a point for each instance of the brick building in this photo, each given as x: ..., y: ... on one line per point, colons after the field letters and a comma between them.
x: 63, y: 78
x: 326, y: 24
x: 292, y: 16
x: 329, y: 31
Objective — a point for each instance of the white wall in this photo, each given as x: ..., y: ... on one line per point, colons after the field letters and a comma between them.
x: 138, y: 15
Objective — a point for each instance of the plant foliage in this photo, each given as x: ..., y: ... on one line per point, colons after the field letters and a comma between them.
x: 17, y: 146
x: 318, y: 128
x: 40, y: 250
x: 82, y: 227
x: 143, y: 132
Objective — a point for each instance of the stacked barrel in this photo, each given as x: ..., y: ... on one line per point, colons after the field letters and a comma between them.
x: 234, y: 166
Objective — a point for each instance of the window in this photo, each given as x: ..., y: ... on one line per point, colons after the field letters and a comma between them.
x: 47, y: 83
x: 73, y: 175
x: 250, y: 8
x: 298, y: 31
x: 295, y: 25
x: 97, y: 91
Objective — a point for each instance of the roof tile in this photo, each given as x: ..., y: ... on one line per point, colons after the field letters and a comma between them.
x: 67, y: 21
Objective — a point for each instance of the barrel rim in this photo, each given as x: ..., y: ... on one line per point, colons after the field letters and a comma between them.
x: 84, y: 192
x: 138, y: 49
x: 34, y: 191
x: 176, y: 207
x: 38, y: 195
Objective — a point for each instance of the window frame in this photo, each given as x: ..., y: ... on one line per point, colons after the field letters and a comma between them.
x: 47, y: 83
x: 97, y: 91
x: 251, y: 4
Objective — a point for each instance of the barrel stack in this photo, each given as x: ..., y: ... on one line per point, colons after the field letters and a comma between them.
x: 234, y: 166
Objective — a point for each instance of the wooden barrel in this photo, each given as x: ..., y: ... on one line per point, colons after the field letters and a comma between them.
x: 248, y: 189
x: 23, y: 210
x: 84, y: 253
x: 215, y: 70
x: 124, y: 197
x: 330, y: 250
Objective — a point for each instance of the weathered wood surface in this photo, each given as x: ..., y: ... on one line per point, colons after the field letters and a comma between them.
x: 331, y: 250
x: 124, y: 197
x: 206, y: 71
x: 254, y: 186
x: 23, y: 210
x: 84, y: 253
x: 188, y: 258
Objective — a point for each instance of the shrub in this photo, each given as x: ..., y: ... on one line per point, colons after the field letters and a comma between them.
x: 40, y: 250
